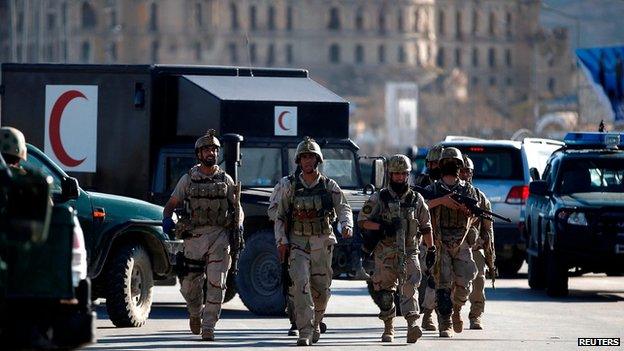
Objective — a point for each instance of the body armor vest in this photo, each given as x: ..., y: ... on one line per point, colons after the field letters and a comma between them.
x: 312, y: 208
x: 453, y: 224
x: 408, y: 215
x: 207, y: 202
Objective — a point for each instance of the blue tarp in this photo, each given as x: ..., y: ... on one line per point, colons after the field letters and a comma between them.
x: 605, y: 68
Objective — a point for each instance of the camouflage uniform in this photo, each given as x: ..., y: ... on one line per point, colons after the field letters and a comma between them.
x: 486, y: 233
x: 455, y: 268
x: 209, y: 201
x: 309, y: 210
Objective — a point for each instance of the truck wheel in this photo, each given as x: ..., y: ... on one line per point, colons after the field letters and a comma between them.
x: 129, y: 286
x: 537, y: 273
x: 230, y: 287
x: 259, y: 279
x: 556, y: 274
x: 510, y: 267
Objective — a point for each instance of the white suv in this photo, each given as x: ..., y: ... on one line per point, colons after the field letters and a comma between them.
x: 502, y: 172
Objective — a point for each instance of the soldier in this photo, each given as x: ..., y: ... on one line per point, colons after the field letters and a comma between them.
x: 398, y: 212
x: 303, y: 226
x: 428, y: 283
x: 455, y: 268
x: 483, y: 244
x: 12, y: 146
x: 208, y: 194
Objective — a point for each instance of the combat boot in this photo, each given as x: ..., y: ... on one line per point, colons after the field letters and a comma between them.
x: 316, y: 334
x: 458, y: 324
x: 475, y: 323
x: 444, y: 323
x: 427, y: 323
x: 305, y: 337
x: 293, y: 331
x: 413, y: 330
x: 195, y: 324
x: 388, y: 334
x: 208, y: 335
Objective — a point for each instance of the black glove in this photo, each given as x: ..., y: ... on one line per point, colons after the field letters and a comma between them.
x: 430, y: 257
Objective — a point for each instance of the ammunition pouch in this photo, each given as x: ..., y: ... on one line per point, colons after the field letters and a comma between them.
x: 183, y: 265
x: 183, y: 228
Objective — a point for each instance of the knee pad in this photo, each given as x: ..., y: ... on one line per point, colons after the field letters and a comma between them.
x: 444, y: 303
x: 384, y: 299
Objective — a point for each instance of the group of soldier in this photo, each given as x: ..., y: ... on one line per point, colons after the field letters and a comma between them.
x: 436, y: 241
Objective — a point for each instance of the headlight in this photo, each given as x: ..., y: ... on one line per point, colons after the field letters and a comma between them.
x: 577, y: 218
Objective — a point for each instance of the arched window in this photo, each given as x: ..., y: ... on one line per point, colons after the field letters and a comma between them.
x: 289, y: 54
x: 85, y: 52
x: 359, y: 19
x: 334, y: 19
x: 234, y: 16
x: 270, y: 55
x: 492, y: 57
x: 508, y: 61
x: 401, y: 54
x: 253, y: 22
x: 334, y: 53
x: 475, y: 57
x: 441, y: 23
x: 458, y: 57
x: 289, y: 18
x: 271, y: 19
x: 417, y: 20
x: 440, y: 58
x: 381, y: 21
x: 199, y: 20
x: 458, y: 25
x: 508, y: 24
x: 475, y: 22
x: 359, y: 53
x: 400, y: 24
x: 88, y: 16
x: 492, y: 23
x: 381, y: 54
x: 153, y: 18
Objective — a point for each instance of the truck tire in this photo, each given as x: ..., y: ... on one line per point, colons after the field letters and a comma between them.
x: 259, y: 279
x: 537, y: 273
x: 556, y: 274
x: 510, y: 267
x: 129, y: 286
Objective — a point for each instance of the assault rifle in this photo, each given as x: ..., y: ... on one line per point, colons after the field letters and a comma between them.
x: 395, y: 214
x: 470, y: 203
x: 237, y: 241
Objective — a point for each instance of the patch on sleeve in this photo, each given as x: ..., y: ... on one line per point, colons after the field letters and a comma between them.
x: 367, y: 209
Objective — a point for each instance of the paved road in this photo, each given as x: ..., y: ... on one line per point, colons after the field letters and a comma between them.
x: 517, y: 318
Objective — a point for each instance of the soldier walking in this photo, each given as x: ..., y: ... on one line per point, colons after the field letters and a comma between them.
x: 482, y: 248
x: 401, y: 218
x: 303, y: 226
x: 455, y: 268
x: 428, y: 283
x: 208, y: 195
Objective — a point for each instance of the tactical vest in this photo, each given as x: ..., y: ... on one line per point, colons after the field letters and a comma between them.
x: 453, y: 224
x: 408, y: 214
x: 207, y: 201
x: 312, y: 208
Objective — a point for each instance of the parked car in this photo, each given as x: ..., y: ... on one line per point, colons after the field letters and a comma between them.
x: 502, y: 173
x: 126, y: 247
x: 575, y: 212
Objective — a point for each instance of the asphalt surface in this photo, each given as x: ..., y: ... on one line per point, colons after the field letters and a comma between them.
x: 516, y: 318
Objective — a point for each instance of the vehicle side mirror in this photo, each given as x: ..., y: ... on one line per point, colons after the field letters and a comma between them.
x: 232, y: 153
x: 28, y: 207
x: 539, y: 187
x: 378, y: 174
x: 69, y: 188
x: 534, y: 173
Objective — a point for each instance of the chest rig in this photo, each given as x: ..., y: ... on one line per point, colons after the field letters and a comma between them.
x: 207, y: 201
x: 453, y: 224
x: 407, y: 214
x: 312, y: 208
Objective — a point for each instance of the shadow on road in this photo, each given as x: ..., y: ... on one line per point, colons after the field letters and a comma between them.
x: 526, y: 294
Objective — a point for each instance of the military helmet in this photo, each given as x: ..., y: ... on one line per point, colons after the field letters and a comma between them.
x: 12, y: 142
x: 399, y: 164
x: 451, y: 152
x: 434, y: 153
x: 208, y: 139
x: 468, y: 163
x: 308, y: 146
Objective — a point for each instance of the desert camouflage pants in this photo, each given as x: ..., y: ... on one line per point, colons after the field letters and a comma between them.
x: 429, y: 301
x: 213, y: 248
x: 386, y: 276
x: 455, y: 270
x: 477, y: 296
x: 310, y: 268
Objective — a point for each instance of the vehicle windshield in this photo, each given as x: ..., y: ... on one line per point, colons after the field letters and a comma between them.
x: 338, y: 164
x: 260, y: 166
x: 591, y: 175
x: 495, y: 162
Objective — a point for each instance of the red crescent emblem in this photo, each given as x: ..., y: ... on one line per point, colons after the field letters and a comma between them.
x: 280, y: 120
x: 55, y: 127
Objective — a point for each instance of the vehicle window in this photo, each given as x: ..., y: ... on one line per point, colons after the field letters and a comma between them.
x: 35, y: 163
x: 538, y: 154
x: 591, y: 175
x: 260, y: 166
x: 338, y: 164
x: 177, y: 166
x: 495, y: 162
